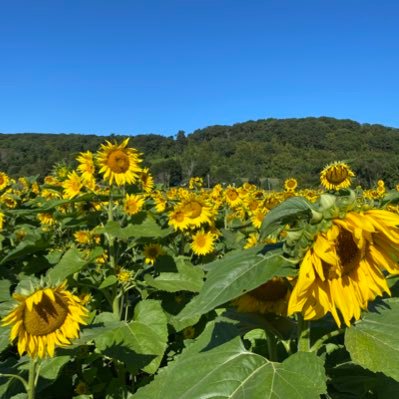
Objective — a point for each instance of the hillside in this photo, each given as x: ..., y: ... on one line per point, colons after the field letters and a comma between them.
x: 261, y: 151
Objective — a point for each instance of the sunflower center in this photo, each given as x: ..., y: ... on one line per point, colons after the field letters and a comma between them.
x: 337, y: 174
x: 200, y: 240
x: 46, y: 316
x: 273, y: 290
x: 118, y: 161
x: 194, y: 209
x: 232, y: 195
x: 348, y: 253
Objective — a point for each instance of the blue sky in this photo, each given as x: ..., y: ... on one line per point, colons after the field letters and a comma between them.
x: 130, y: 67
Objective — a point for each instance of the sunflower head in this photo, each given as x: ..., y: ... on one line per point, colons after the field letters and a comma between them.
x: 119, y: 163
x: 203, y: 242
x: 336, y: 175
x: 45, y: 319
x: 271, y: 297
x: 290, y: 184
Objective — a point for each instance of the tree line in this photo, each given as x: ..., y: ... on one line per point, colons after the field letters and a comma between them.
x: 264, y: 152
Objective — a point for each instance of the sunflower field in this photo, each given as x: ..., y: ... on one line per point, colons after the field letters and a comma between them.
x: 113, y: 287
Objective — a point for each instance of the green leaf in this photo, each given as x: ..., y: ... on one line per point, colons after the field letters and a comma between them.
x: 187, y: 278
x: 148, y: 228
x: 110, y: 280
x: 32, y: 243
x: 71, y: 262
x: 50, y: 368
x: 5, y: 290
x: 139, y: 344
x: 292, y: 209
x: 373, y: 342
x: 230, y: 371
x: 232, y: 276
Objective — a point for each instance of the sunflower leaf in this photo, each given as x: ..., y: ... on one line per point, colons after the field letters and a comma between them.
x: 373, y: 342
x: 71, y: 262
x: 290, y: 210
x: 187, y: 278
x: 231, y: 277
x: 229, y: 371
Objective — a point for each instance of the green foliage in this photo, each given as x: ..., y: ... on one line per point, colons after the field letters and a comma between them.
x: 253, y: 150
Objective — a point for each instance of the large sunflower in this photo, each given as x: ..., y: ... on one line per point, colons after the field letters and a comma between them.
x: 119, y: 163
x: 336, y: 175
x: 343, y: 270
x: 47, y: 318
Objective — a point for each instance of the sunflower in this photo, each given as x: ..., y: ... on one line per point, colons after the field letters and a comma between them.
x: 203, y: 242
x: 119, y: 163
x: 72, y: 185
x: 252, y: 240
x: 151, y: 253
x: 46, y: 218
x: 232, y: 196
x: 2, y: 216
x: 160, y: 202
x: 4, y: 180
x: 271, y: 297
x: 197, y: 211
x: 343, y: 270
x: 178, y: 219
x: 45, y: 319
x: 83, y: 237
x: 133, y: 204
x: 257, y: 217
x: 290, y: 184
x: 86, y: 165
x: 336, y: 175
x: 124, y: 276
x: 146, y: 180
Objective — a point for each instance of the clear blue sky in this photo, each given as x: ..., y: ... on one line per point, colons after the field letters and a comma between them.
x: 129, y: 67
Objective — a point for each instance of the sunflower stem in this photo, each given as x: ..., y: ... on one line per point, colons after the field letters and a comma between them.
x: 19, y: 378
x: 319, y: 343
x: 303, y: 334
x: 32, y: 379
x: 272, y: 346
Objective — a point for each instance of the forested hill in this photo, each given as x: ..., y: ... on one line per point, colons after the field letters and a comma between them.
x: 263, y: 151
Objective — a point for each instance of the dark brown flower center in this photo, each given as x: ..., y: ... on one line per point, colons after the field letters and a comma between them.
x: 46, y: 316
x: 348, y: 253
x: 118, y: 161
x: 273, y: 290
x: 337, y: 174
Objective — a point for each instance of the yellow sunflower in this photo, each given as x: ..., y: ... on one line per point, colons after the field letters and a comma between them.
x: 46, y: 218
x: 151, y: 253
x: 48, y: 318
x: 232, y: 196
x: 197, y: 211
x: 336, y: 175
x: 290, y: 184
x: 133, y: 204
x: 146, y: 180
x: 72, y: 185
x: 343, y: 269
x: 86, y: 165
x: 83, y: 237
x: 257, y: 217
x: 178, y: 219
x: 203, y: 242
x: 271, y: 297
x: 119, y: 163
x: 4, y: 180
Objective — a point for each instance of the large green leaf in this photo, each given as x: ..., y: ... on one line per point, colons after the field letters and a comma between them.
x: 139, y: 344
x: 373, y: 342
x: 187, y: 278
x: 32, y: 243
x: 292, y: 209
x: 232, y: 276
x: 71, y: 262
x: 148, y: 228
x: 230, y: 371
